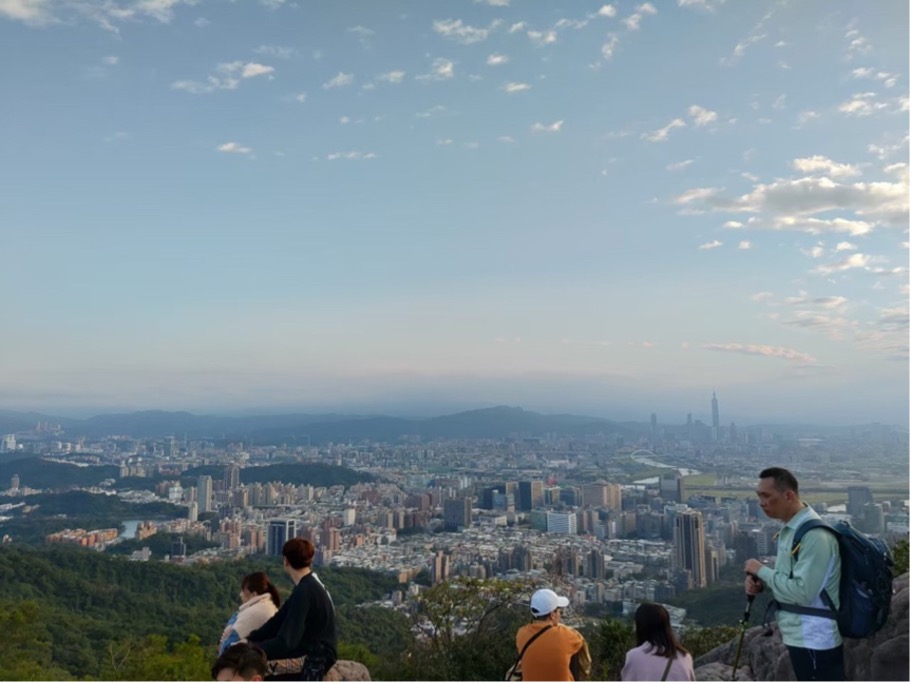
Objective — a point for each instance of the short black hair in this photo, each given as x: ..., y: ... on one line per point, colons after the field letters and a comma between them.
x: 244, y: 659
x: 298, y: 552
x: 783, y: 479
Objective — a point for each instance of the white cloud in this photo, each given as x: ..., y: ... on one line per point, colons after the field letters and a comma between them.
x: 858, y: 45
x: 350, y: 155
x: 35, y: 12
x: 252, y: 70
x: 890, y: 149
x: 815, y: 252
x: 710, y: 245
x: 497, y: 60
x: 679, y: 166
x: 392, y: 77
x: 301, y: 97
x: 761, y: 296
x: 515, y: 87
x: 607, y: 11
x: 234, y: 148
x: 576, y: 24
x: 227, y: 77
x: 844, y: 247
x: 633, y: 22
x: 807, y: 115
x: 456, y: 30
x: 816, y: 226
x: 432, y: 111
x: 857, y: 260
x: 866, y: 104
x: 541, y: 38
x: 340, y: 80
x: 662, y: 134
x: 441, y: 70
x: 505, y: 139
x: 495, y: 3
x: 360, y: 31
x: 829, y: 167
x: 110, y: 60
x: 780, y: 102
x: 444, y: 141
x: 745, y: 244
x: 695, y: 194
x: 762, y: 350
x: 608, y: 47
x: 701, y: 116
x: 547, y: 128
x: 887, y: 79
x: 704, y: 5
x: 733, y: 224
x: 519, y: 26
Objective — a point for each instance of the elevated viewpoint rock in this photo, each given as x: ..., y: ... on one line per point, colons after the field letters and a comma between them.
x: 884, y: 657
x: 347, y: 671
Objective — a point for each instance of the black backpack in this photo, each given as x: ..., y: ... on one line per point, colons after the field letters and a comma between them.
x: 866, y: 581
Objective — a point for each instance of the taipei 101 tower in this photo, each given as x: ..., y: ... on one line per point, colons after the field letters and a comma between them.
x: 715, y: 407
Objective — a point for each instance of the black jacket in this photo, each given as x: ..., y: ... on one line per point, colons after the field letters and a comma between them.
x: 304, y: 625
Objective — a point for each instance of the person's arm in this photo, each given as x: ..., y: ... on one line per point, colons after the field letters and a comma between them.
x: 813, y: 564
x: 288, y: 638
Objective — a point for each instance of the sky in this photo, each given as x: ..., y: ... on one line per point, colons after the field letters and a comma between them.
x: 418, y: 207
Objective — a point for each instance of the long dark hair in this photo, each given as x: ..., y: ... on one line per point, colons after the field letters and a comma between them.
x: 651, y: 624
x: 258, y: 583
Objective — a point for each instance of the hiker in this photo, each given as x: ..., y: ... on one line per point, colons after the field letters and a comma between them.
x: 305, y: 625
x: 240, y: 663
x: 658, y: 656
x: 814, y: 642
x: 549, y: 658
x: 259, y: 602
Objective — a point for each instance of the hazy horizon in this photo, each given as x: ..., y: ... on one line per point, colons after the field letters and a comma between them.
x: 602, y: 208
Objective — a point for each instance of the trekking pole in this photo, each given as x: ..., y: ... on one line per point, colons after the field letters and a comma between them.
x: 744, y: 623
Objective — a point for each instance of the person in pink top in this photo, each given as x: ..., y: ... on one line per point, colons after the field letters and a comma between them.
x: 658, y: 656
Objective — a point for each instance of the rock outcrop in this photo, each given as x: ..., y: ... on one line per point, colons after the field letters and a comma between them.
x: 883, y: 657
x: 347, y: 671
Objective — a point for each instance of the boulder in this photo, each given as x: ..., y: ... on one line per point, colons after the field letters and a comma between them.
x: 883, y: 657
x: 347, y: 671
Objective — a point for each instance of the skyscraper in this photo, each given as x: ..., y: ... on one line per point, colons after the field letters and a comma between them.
x: 457, y: 513
x: 14, y: 482
x: 672, y: 486
x: 530, y: 495
x: 204, y: 493
x: 279, y: 532
x: 232, y: 477
x: 689, y: 546
x: 857, y: 497
x: 715, y: 409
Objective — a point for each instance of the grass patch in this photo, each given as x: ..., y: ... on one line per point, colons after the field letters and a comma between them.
x: 702, y: 480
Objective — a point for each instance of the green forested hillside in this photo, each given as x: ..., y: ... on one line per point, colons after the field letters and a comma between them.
x: 82, y: 608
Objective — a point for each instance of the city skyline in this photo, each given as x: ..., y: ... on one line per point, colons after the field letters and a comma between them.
x: 610, y: 209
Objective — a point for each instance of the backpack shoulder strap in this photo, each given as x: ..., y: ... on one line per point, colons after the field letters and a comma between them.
x: 527, y: 645
x: 668, y: 666
x: 807, y: 526
x: 831, y: 609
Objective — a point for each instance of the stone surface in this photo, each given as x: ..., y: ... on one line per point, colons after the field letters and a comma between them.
x: 347, y: 671
x: 884, y: 657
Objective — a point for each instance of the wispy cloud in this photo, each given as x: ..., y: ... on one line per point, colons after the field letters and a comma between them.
x: 607, y: 11
x: 762, y: 350
x: 441, y: 70
x: 277, y: 51
x: 887, y: 79
x: 547, y: 128
x: 701, y: 116
x: 340, y: 80
x: 679, y: 166
x: 745, y: 244
x: 497, y: 60
x: 227, y: 77
x: 456, y: 30
x: 542, y: 38
x: 234, y: 148
x: 515, y: 87
x: 333, y: 156
x: 662, y: 134
x: 392, y: 77
x: 633, y: 21
x: 867, y: 104
x: 714, y: 244
x: 608, y: 48
x: 825, y: 165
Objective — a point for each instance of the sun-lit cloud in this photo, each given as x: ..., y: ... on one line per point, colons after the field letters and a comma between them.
x: 547, y: 128
x: 701, y: 116
x: 607, y: 11
x: 745, y: 244
x: 228, y: 77
x: 441, y: 70
x: 234, y: 148
x: 515, y: 87
x: 714, y: 244
x: 662, y: 134
x: 497, y: 60
x: 632, y: 22
x: 827, y: 166
x: 542, y: 38
x: 868, y: 104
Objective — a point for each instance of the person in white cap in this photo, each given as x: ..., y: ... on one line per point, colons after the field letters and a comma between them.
x: 548, y: 659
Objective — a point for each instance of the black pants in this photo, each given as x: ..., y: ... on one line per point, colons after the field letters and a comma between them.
x: 810, y: 665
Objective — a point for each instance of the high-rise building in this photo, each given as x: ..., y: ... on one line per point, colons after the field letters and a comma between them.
x: 613, y: 495
x: 178, y: 548
x: 440, y: 567
x: 204, y: 493
x: 530, y: 495
x: 596, y: 564
x: 872, y: 519
x: 14, y: 482
x: 596, y: 494
x: 193, y: 511
x: 170, y: 447
x: 689, y: 546
x: 561, y: 523
x: 715, y: 410
x: 857, y: 497
x: 7, y: 444
x: 672, y: 486
x: 457, y: 513
x: 279, y: 532
x: 232, y: 477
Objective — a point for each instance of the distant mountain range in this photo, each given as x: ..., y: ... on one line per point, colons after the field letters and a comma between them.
x: 498, y: 422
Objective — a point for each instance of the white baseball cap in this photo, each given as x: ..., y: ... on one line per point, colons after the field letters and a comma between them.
x: 545, y: 601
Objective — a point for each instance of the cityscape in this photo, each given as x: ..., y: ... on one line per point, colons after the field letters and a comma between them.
x: 646, y: 513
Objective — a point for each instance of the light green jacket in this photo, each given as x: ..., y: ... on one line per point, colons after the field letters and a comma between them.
x: 816, y: 566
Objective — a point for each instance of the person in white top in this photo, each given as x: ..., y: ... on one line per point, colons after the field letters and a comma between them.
x: 259, y: 602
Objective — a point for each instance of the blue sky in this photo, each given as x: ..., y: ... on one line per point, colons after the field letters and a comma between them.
x: 418, y: 207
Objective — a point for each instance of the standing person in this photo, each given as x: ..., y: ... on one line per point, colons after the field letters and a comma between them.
x: 814, y: 643
x: 306, y: 623
x: 658, y: 655
x: 259, y: 602
x: 548, y: 659
x: 240, y: 663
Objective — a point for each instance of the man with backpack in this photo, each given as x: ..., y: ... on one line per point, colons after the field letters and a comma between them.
x: 798, y: 580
